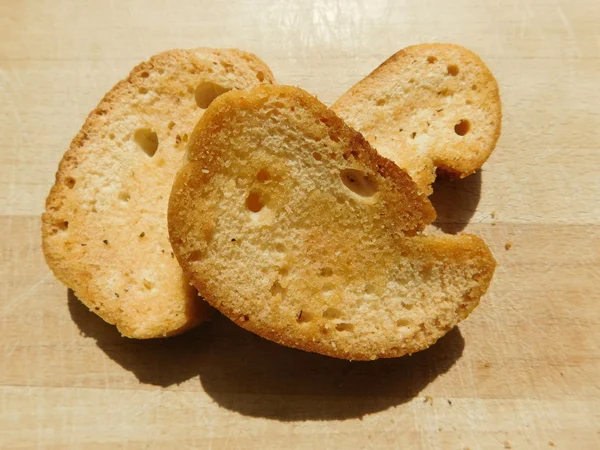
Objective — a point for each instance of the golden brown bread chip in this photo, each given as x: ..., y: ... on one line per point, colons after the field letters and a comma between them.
x: 428, y: 107
x: 105, y: 226
x: 292, y: 225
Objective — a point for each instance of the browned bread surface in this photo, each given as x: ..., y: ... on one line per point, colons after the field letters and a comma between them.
x: 105, y: 226
x: 428, y: 107
x: 292, y: 225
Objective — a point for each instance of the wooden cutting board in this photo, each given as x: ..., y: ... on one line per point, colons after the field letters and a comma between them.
x: 522, y: 372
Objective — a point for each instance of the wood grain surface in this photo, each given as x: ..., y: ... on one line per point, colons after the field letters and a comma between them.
x: 522, y: 372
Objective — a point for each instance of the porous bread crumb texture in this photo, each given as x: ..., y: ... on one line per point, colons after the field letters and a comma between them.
x: 292, y: 225
x: 105, y: 226
x: 428, y: 108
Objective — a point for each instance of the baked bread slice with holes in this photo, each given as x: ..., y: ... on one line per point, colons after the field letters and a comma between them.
x: 104, y: 232
x: 293, y: 226
x: 428, y: 108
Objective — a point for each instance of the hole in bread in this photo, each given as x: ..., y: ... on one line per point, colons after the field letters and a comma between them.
x: 255, y: 202
x: 326, y: 272
x: 260, y: 76
x: 359, y: 182
x: 147, y: 140
x: 332, y: 313
x: 352, y: 153
x: 124, y: 196
x: 206, y: 92
x: 469, y: 102
x: 344, y: 327
x: 408, y: 306
x: 402, y: 322
x: 263, y: 175
x: 317, y: 156
x: 380, y: 102
x: 280, y: 247
x: 369, y: 289
x: 453, y: 70
x: 63, y: 226
x: 334, y: 137
x: 277, y: 289
x: 161, y: 162
x: 412, y: 80
x: 462, y: 127
x: 328, y: 287
x: 70, y: 182
x: 148, y: 284
x: 143, y: 90
x: 413, y: 135
x: 431, y: 59
x: 171, y: 125
x: 111, y: 136
x: 195, y: 255
x: 145, y: 74
x: 426, y: 272
x: 474, y: 87
x: 304, y: 316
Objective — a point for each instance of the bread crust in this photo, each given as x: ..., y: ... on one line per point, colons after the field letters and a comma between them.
x: 104, y: 229
x: 300, y: 253
x: 430, y: 108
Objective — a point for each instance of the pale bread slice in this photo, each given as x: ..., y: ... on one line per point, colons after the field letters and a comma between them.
x: 105, y: 226
x: 429, y: 107
x: 293, y: 226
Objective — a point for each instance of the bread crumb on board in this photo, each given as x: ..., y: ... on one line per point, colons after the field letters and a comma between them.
x: 508, y: 245
x: 551, y: 444
x: 428, y: 399
x: 507, y: 444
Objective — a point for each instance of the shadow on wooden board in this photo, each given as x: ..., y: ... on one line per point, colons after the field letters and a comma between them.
x: 455, y: 201
x: 247, y: 374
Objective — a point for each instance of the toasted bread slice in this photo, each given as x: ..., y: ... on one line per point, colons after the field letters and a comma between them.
x: 292, y: 225
x: 428, y: 107
x: 105, y: 226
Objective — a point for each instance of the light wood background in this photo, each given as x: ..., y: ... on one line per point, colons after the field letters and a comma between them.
x: 523, y: 371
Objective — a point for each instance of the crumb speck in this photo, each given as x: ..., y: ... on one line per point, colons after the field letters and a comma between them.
x: 508, y: 245
x: 105, y: 241
x: 493, y: 215
x: 172, y: 255
x: 487, y: 365
x: 450, y: 402
x: 551, y: 444
x: 428, y: 399
x: 142, y: 234
x: 507, y: 444
x: 116, y: 295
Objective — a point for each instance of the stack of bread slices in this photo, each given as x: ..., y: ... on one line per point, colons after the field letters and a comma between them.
x: 197, y: 182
